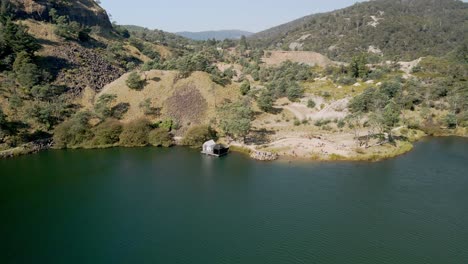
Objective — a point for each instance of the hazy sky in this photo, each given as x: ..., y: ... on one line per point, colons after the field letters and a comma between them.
x: 200, y: 15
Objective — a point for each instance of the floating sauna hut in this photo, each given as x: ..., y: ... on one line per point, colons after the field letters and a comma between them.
x: 213, y: 149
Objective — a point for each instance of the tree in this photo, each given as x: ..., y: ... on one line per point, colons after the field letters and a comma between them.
x: 358, y: 67
x: 391, y: 115
x: 135, y: 133
x: 235, y: 118
x: 294, y: 91
x: 27, y: 73
x: 107, y: 133
x: 3, y: 120
x: 311, y: 103
x: 265, y: 101
x: 197, y: 135
x: 135, y: 82
x: 160, y: 137
x: 17, y: 39
x: 245, y: 87
x: 451, y: 120
x: 243, y: 45
x: 391, y: 89
x: 73, y: 132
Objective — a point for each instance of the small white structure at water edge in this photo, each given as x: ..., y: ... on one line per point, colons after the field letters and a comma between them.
x: 213, y: 149
x: 208, y: 147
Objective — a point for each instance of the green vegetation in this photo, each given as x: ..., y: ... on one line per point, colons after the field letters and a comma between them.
x: 135, y: 82
x: 107, y: 133
x: 311, y: 103
x: 197, y: 135
x: 245, y: 87
x: 73, y: 132
x: 135, y: 133
x: 406, y: 30
x: 236, y: 118
x: 70, y: 30
x: 160, y: 137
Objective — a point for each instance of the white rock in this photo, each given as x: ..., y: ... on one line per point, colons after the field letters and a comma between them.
x: 356, y: 84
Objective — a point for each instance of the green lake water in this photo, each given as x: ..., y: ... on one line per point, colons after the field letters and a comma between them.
x: 152, y: 205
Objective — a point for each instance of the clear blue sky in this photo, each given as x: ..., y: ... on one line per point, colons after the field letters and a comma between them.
x: 201, y: 15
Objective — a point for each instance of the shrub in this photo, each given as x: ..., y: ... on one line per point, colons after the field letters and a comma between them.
x: 47, y: 91
x: 346, y: 80
x: 160, y: 138
x: 107, y: 133
x: 322, y: 122
x: 148, y: 109
x: 451, y: 120
x: 73, y: 132
x: 197, y: 135
x: 245, y: 87
x: 120, y: 110
x: 341, y: 123
x: 265, y: 101
x: 294, y: 91
x: 311, y: 103
x: 135, y: 133
x: 27, y: 73
x: 135, y: 82
x: 102, y: 107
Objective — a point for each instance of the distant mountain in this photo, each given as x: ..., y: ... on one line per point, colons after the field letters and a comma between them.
x: 218, y: 35
x: 404, y: 29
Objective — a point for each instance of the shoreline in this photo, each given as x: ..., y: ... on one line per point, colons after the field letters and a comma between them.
x: 407, y: 147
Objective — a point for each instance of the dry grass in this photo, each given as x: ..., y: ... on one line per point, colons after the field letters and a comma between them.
x: 307, y: 57
x: 176, y: 98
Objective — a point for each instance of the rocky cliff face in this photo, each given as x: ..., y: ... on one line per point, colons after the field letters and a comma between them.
x: 85, y: 12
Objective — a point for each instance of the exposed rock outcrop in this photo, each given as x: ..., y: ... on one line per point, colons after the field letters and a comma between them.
x: 85, y: 12
x: 264, y: 156
x: 78, y: 67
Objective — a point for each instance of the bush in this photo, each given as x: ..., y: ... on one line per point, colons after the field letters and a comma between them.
x: 135, y: 133
x: 73, y: 132
x: 135, y: 82
x: 346, y: 80
x: 451, y: 120
x: 265, y: 102
x: 148, y: 109
x: 245, y: 87
x: 311, y: 103
x: 391, y: 89
x: 341, y: 123
x: 197, y: 135
x: 102, y: 107
x: 294, y: 92
x: 107, y: 133
x: 322, y: 122
x: 120, y: 110
x: 160, y: 138
x: 27, y: 73
x: 47, y: 91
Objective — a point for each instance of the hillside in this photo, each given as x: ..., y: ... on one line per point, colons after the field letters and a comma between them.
x: 84, y: 12
x: 407, y: 29
x: 218, y: 35
x: 69, y: 80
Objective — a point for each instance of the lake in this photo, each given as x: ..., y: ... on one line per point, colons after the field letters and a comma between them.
x: 149, y: 205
